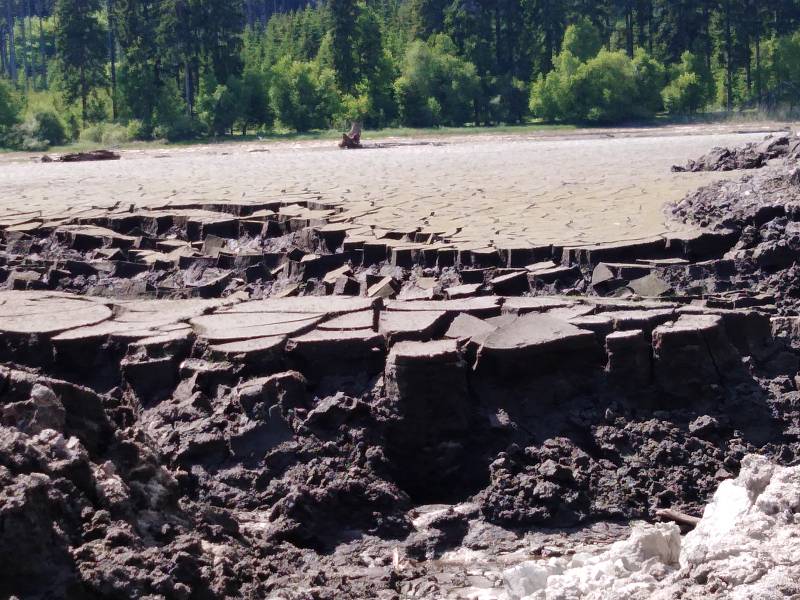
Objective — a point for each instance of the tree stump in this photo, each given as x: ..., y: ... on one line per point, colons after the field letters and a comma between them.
x: 352, y: 139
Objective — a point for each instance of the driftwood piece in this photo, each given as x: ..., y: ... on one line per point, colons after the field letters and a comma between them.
x: 352, y: 139
x: 667, y: 514
x: 83, y: 156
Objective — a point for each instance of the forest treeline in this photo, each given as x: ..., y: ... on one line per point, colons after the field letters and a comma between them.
x: 115, y: 70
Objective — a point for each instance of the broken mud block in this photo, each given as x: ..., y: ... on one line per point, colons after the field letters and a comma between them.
x: 428, y: 383
x: 466, y: 290
x: 333, y: 235
x: 84, y: 416
x: 691, y: 354
x: 375, y: 253
x: 407, y: 256
x: 446, y: 257
x: 786, y: 329
x: 512, y: 284
x: 748, y: 330
x: 199, y: 374
x: 237, y: 326
x: 128, y: 270
x: 523, y: 306
x: 629, y: 360
x: 386, y: 287
x: 723, y: 268
x: 627, y: 271
x: 774, y: 255
x: 427, y: 440
x: 239, y: 260
x: 481, y: 306
x: 212, y: 283
x: 413, y: 291
x: 346, y: 286
x: 466, y: 328
x: 543, y: 265
x: 213, y: 245
x: 650, y: 286
x: 257, y: 355
x: 701, y: 245
x: 524, y: 255
x: 263, y: 426
x: 646, y: 320
x: 419, y: 326
x: 332, y: 276
x: 90, y: 237
x: 151, y: 379
x: 619, y: 252
x: 25, y: 280
x: 537, y: 343
x: 357, y: 320
x: 484, y: 258
x: 349, y: 352
x: 601, y: 325
x: 79, y: 267
x: 314, y: 266
x: 563, y: 275
x: 46, y: 314
x: 198, y: 228
x: 313, y: 305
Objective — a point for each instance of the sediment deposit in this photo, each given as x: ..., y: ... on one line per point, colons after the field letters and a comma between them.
x: 246, y: 399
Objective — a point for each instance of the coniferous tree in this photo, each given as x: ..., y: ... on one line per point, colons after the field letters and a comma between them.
x: 80, y: 50
x: 344, y: 14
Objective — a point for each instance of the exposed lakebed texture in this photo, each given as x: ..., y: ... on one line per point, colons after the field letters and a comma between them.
x: 246, y: 400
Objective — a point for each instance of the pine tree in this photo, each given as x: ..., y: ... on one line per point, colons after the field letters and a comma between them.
x: 80, y: 49
x: 344, y: 14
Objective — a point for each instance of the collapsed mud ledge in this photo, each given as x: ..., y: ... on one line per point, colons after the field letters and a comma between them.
x: 216, y: 447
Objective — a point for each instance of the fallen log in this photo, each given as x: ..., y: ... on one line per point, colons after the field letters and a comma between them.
x: 83, y: 156
x: 667, y: 514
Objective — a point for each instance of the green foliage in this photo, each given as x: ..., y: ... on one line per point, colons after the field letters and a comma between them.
x: 650, y: 76
x: 582, y: 40
x: 218, y: 106
x: 605, y: 89
x: 344, y: 15
x: 80, y: 50
x: 436, y: 87
x: 552, y: 96
x: 608, y: 88
x: 510, y: 104
x: 683, y: 95
x: 109, y: 134
x: 304, y: 95
x: 179, y: 129
x: 691, y: 86
x: 254, y: 106
x: 187, y: 68
x: 48, y: 128
x: 783, y: 70
x: 10, y: 110
x: 138, y: 131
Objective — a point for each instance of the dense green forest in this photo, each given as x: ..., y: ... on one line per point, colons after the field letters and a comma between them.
x: 116, y: 70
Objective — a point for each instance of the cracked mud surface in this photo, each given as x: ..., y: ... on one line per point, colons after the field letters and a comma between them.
x: 249, y: 399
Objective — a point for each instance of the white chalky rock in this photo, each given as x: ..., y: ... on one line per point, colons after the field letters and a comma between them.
x: 628, y: 568
x: 748, y: 542
x: 746, y: 547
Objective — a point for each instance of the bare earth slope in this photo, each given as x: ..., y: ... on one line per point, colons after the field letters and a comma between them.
x: 311, y: 374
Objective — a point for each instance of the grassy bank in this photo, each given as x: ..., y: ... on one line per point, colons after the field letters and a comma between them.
x: 533, y: 127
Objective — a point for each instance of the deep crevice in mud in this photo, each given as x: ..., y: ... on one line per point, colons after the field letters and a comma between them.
x: 241, y: 401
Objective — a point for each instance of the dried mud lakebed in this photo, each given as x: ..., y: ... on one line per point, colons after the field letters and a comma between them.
x: 405, y: 374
